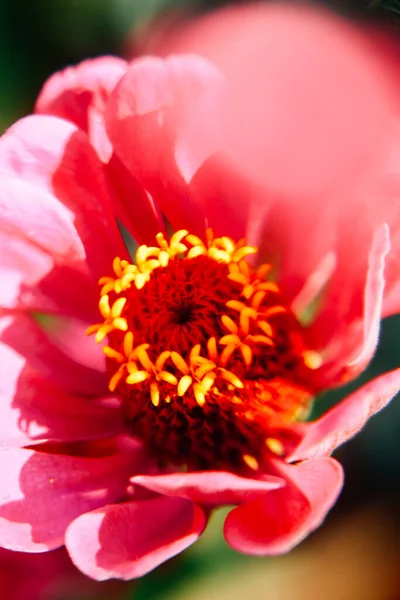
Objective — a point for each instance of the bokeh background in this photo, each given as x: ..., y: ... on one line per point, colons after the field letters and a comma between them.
x: 355, y: 555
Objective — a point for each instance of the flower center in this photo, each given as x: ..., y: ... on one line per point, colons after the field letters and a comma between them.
x: 208, y: 361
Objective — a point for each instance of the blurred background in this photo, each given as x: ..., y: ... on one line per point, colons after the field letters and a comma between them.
x: 355, y: 555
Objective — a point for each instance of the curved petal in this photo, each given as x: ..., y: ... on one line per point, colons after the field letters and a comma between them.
x: 33, y: 214
x: 161, y: 125
x: 355, y: 340
x: 54, y: 155
x: 129, y: 540
x: 42, y: 493
x: 347, y: 418
x: 210, y: 488
x: 225, y: 197
x: 79, y: 94
x: 22, y: 336
x: 21, y: 267
x: 33, y: 409
x: 373, y: 298
x: 32, y: 279
x: 279, y: 521
x: 69, y: 336
x: 134, y: 206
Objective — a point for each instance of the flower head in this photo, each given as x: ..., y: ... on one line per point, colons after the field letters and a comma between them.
x: 153, y: 376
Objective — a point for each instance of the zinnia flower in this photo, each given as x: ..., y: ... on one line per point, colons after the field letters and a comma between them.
x: 258, y: 283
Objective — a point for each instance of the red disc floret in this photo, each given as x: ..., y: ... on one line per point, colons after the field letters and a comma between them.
x: 209, y: 363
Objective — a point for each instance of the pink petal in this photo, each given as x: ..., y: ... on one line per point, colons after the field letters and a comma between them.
x: 33, y: 214
x: 17, y: 273
x: 128, y: 540
x: 355, y: 341
x: 373, y: 298
x: 45, y: 262
x: 211, y: 488
x: 33, y: 409
x: 156, y: 121
x: 347, y: 418
x: 64, y: 290
x: 22, y: 336
x: 42, y: 493
x: 69, y: 336
x: 79, y: 94
x: 54, y: 155
x: 279, y: 521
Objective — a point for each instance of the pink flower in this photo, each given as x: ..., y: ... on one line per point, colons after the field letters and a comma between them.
x: 208, y: 355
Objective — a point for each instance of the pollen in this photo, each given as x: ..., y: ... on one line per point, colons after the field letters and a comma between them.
x: 206, y: 356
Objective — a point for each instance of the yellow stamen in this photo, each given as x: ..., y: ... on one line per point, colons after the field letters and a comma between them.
x: 111, y: 353
x: 137, y: 377
x: 313, y: 360
x: 266, y: 328
x: 117, y: 307
x: 229, y: 324
x: 115, y: 379
x: 179, y: 363
x: 184, y: 384
x: 128, y: 343
x: 275, y: 446
x: 212, y: 349
x: 251, y: 462
x: 154, y: 393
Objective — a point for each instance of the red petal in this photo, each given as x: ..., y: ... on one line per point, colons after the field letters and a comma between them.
x: 279, y: 521
x: 134, y: 205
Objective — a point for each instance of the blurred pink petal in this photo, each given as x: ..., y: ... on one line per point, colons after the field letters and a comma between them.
x: 51, y: 575
x: 268, y: 54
